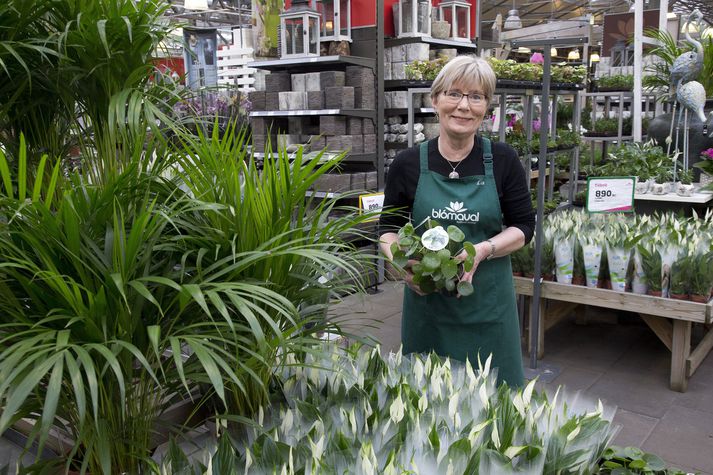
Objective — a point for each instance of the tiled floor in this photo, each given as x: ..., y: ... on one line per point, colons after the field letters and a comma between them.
x: 617, y: 359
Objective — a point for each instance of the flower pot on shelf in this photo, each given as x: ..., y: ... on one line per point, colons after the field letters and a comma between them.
x: 653, y: 293
x: 684, y: 189
x: 677, y: 296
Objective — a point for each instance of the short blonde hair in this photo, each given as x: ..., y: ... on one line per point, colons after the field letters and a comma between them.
x: 465, y: 70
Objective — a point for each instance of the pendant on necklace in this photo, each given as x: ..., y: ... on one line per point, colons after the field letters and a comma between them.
x: 453, y: 175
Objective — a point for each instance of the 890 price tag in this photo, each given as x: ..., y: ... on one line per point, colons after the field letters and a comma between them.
x: 610, y: 194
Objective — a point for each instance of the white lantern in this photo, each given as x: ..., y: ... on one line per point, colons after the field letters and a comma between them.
x: 299, y: 31
x: 412, y: 18
x: 336, y: 19
x: 457, y: 14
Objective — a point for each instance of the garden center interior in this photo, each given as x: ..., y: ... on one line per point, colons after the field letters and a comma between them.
x: 190, y: 272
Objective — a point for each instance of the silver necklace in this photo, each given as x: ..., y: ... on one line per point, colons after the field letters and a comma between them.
x: 454, y: 174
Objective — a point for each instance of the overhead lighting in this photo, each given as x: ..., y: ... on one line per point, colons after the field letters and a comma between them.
x: 195, y: 4
x: 512, y: 22
x: 671, y: 16
x: 523, y: 49
x: 573, y: 55
x: 553, y: 52
x: 594, y: 58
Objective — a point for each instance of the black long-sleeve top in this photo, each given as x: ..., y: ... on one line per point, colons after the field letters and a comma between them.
x: 509, y: 174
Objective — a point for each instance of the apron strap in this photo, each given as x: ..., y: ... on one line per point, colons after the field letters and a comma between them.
x: 423, y: 155
x: 487, y: 156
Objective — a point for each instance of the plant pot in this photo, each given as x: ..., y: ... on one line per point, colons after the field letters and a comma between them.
x: 684, y: 190
x: 578, y: 280
x: 699, y: 298
x: 658, y: 189
x: 642, y: 187
x: 604, y: 284
x: 678, y: 296
x: 653, y: 293
x: 517, y: 274
x: 440, y: 29
x: 548, y: 277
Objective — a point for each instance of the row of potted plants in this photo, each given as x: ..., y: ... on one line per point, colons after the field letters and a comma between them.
x: 509, y: 69
x: 641, y: 254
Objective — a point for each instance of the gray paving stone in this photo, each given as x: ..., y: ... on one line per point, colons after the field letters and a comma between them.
x: 633, y: 428
x: 635, y: 392
x: 577, y: 378
x: 684, y: 437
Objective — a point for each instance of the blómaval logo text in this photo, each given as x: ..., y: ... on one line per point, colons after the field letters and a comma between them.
x: 455, y: 212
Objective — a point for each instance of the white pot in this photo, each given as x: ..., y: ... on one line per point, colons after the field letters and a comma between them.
x: 684, y: 190
x: 658, y: 189
x: 642, y: 187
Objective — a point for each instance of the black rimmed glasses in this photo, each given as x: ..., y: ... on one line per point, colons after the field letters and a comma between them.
x: 474, y: 98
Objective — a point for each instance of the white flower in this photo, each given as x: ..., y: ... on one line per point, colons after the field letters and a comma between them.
x: 435, y: 239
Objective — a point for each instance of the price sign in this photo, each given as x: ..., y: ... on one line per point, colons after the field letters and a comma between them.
x: 610, y: 194
x: 371, y: 202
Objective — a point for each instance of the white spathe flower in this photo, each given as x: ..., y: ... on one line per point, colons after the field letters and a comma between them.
x: 435, y: 239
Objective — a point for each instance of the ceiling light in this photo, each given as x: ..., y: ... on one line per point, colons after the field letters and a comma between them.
x: 573, y: 55
x: 594, y: 58
x: 512, y: 22
x: 553, y: 52
x: 671, y: 16
x: 195, y: 4
x: 523, y: 49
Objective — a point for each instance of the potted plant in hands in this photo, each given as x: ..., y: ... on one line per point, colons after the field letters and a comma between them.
x: 435, y: 257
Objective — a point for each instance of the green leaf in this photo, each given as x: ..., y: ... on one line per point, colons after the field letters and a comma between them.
x: 449, y: 269
x: 468, y: 263
x: 450, y: 285
x: 400, y: 258
x: 469, y: 248
x: 455, y: 234
x: 430, y: 262
x: 427, y: 285
x: 465, y: 288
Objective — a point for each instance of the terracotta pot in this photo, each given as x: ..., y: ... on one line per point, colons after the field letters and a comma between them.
x: 578, y: 280
x: 548, y: 277
x: 529, y: 275
x: 604, y: 284
x: 517, y: 274
x: 699, y: 298
x: 679, y: 296
x: 654, y: 293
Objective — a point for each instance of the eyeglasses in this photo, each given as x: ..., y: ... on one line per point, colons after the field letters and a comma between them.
x: 474, y: 98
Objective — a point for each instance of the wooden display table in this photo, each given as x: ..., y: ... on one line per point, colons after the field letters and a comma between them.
x: 558, y: 300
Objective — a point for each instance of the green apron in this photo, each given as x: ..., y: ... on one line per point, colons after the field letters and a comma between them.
x: 486, y: 321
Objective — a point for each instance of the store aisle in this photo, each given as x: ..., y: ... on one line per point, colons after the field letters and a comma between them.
x: 617, y: 360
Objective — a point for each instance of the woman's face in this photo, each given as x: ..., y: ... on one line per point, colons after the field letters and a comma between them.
x: 460, y: 118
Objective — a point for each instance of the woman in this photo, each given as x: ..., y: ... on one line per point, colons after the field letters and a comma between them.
x: 460, y: 170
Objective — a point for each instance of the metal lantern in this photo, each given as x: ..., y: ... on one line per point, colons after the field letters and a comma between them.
x: 457, y: 13
x: 336, y: 19
x: 412, y: 18
x: 299, y: 31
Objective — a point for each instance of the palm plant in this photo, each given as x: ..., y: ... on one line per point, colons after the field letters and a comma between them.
x: 121, y: 297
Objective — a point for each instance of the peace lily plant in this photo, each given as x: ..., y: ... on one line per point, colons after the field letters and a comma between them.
x: 354, y: 411
x: 437, y: 255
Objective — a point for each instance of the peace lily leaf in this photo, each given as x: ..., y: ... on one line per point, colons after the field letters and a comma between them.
x: 513, y: 451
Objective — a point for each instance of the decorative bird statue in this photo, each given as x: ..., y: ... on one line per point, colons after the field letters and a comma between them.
x: 687, y: 66
x: 692, y: 96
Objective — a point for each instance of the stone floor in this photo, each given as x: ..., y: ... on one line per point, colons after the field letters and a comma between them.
x: 615, y: 358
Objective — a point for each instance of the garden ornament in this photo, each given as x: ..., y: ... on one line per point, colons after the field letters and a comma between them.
x: 685, y: 68
x: 692, y: 96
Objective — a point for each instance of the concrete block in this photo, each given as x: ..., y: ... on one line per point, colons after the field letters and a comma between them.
x: 313, y: 82
x: 387, y: 71
x: 333, y: 183
x: 398, y: 53
x: 354, y: 126
x: 285, y: 140
x: 298, y: 82
x: 356, y: 141
x: 332, y: 125
x: 294, y: 125
x: 369, y: 143
x: 257, y: 100
x: 417, y: 52
x: 315, y: 142
x: 339, y: 98
x: 399, y: 99
x: 292, y: 100
x: 387, y: 55
x: 364, y: 98
x: 357, y: 181
x: 370, y: 181
x: 359, y: 76
x: 368, y: 126
x: 398, y: 70
x: 332, y: 79
x: 272, y: 101
x: 310, y: 125
x: 315, y: 100
x: 278, y: 82
x: 337, y: 143
x: 257, y: 125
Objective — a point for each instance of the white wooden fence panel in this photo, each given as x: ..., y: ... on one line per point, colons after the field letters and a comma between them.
x: 232, y: 69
